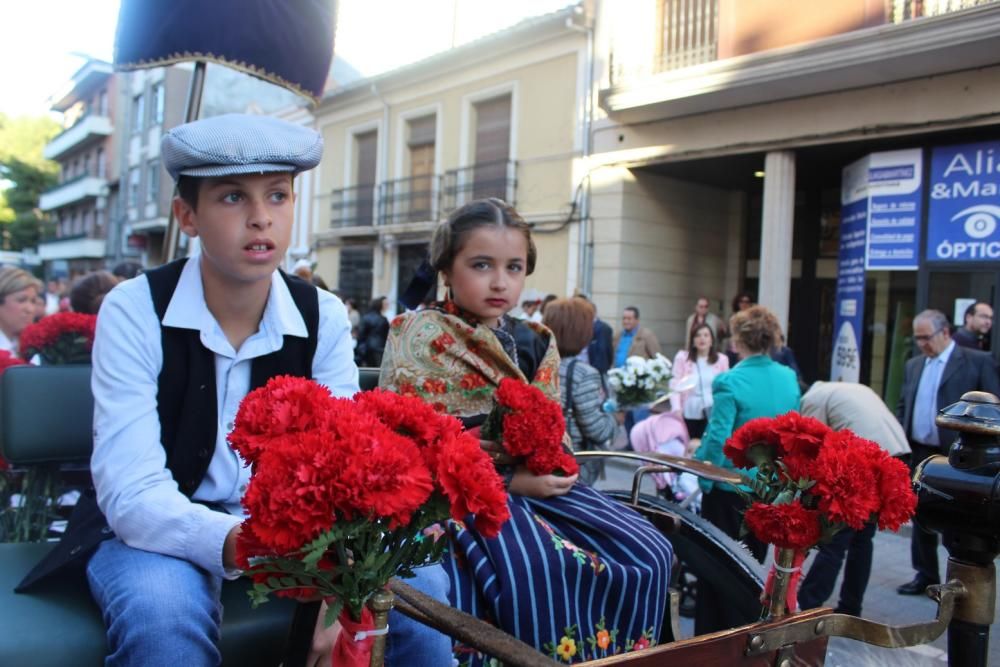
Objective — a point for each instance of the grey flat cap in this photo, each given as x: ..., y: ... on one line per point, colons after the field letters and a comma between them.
x: 239, y: 144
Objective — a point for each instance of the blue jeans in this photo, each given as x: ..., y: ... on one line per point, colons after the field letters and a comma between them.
x: 160, y: 610
x: 411, y: 642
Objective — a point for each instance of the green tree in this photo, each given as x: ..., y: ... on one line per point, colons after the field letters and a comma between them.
x: 25, y: 175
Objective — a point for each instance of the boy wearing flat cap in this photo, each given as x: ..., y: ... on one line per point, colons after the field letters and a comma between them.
x: 176, y: 350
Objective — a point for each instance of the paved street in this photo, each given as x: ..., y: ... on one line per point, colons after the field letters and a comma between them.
x: 890, y: 568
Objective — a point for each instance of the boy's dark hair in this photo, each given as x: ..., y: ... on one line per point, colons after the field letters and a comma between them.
x: 450, y: 236
x: 188, y: 188
x: 635, y: 311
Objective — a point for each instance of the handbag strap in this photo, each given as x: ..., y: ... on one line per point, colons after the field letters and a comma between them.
x: 568, y: 402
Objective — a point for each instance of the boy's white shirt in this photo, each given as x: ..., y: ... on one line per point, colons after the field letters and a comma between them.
x: 136, y: 492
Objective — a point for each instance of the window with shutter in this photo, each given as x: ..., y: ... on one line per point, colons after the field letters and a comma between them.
x: 365, y: 169
x: 492, y: 150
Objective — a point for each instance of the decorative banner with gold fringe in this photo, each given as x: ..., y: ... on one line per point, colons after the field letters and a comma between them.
x: 288, y: 43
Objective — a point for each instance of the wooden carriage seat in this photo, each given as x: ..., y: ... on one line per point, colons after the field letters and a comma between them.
x: 46, y: 417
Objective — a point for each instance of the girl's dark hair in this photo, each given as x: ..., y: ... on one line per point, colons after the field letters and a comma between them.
x: 756, y: 329
x: 450, y: 236
x: 88, y: 292
x: 376, y: 305
x: 713, y: 355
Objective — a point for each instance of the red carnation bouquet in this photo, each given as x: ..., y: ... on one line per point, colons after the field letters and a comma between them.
x: 347, y: 493
x: 61, y: 338
x: 530, y: 426
x: 811, y: 481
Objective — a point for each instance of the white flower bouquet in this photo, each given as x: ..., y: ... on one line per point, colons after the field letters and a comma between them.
x: 640, y: 381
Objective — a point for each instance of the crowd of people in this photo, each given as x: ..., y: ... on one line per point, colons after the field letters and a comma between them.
x: 585, y: 561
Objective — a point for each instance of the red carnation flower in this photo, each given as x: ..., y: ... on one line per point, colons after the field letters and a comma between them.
x: 61, y: 338
x: 899, y: 502
x: 287, y: 499
x: 755, y: 432
x: 788, y: 526
x: 380, y: 473
x: 285, y: 404
x: 531, y: 426
x: 472, y: 484
x: 799, y: 440
x: 845, y: 478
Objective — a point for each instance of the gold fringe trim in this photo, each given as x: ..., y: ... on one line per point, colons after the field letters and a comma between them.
x: 253, y: 70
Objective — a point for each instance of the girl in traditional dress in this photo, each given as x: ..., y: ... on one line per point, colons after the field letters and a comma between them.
x: 573, y: 573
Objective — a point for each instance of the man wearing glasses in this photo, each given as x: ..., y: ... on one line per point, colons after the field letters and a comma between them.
x: 933, y: 380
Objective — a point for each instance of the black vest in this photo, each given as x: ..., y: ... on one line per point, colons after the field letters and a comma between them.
x: 186, y: 404
x: 185, y: 398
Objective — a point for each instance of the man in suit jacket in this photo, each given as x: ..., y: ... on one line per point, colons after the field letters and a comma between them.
x: 932, y: 381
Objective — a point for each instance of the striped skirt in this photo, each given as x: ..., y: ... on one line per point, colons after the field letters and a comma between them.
x: 578, y: 576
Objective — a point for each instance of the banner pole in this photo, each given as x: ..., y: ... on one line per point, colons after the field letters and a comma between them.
x: 171, y: 240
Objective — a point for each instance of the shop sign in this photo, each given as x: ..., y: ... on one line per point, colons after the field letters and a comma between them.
x: 964, y: 214
x: 894, y: 210
x: 850, y: 300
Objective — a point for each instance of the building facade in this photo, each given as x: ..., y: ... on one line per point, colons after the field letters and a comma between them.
x: 499, y: 117
x: 719, y: 151
x: 81, y: 204
x: 154, y: 101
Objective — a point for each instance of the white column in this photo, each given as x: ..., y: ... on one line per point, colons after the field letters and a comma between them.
x: 776, y: 234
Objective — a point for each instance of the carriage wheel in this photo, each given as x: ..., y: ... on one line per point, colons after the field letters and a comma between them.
x: 711, y: 555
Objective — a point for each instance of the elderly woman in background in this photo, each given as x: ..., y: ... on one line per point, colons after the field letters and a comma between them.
x: 757, y: 386
x: 18, y: 291
x: 580, y: 387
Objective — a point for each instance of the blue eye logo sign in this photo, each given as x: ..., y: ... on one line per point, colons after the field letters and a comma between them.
x: 964, y: 214
x: 980, y: 221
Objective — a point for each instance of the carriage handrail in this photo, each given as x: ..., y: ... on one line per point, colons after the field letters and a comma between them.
x: 806, y: 629
x: 674, y: 463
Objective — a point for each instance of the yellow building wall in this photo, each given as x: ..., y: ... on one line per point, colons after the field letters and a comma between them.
x: 546, y: 141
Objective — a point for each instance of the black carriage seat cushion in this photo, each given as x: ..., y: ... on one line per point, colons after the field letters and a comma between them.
x: 46, y: 417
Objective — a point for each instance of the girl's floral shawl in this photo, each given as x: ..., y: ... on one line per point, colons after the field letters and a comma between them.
x: 450, y: 361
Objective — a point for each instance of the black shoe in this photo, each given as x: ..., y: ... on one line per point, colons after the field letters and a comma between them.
x: 915, y: 587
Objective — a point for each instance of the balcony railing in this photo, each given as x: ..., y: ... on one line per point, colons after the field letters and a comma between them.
x: 87, y: 127
x: 905, y: 10
x: 81, y: 187
x: 689, y: 34
x: 486, y: 179
x: 353, y: 207
x: 413, y: 199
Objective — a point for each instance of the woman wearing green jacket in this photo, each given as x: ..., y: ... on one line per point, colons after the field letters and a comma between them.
x: 756, y: 387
